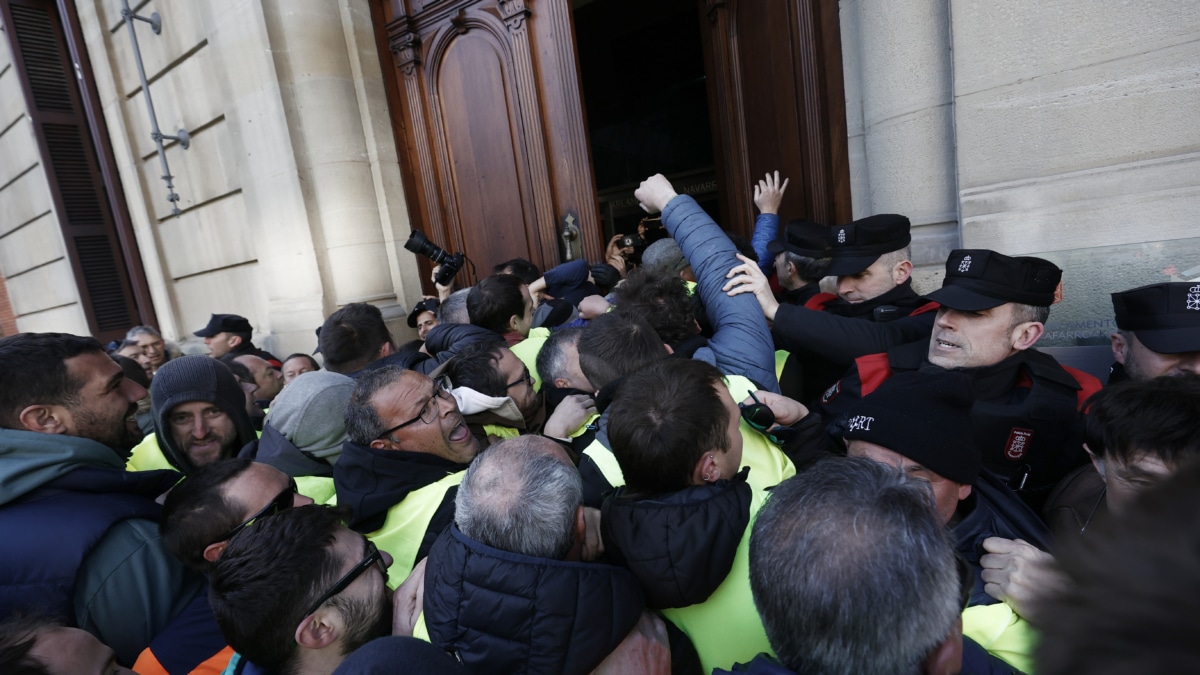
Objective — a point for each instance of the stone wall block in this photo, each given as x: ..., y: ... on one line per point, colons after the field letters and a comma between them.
x: 186, y: 97
x: 51, y: 285
x: 206, y: 171
x: 23, y: 200
x: 36, y: 243
x: 1001, y: 43
x: 1108, y: 113
x: 18, y: 147
x: 905, y: 57
x: 210, y: 237
x: 12, y: 99
x: 231, y: 290
x: 1152, y: 200
x: 184, y: 29
x: 65, y: 319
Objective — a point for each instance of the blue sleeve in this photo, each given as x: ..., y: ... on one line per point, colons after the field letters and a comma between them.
x: 568, y: 273
x: 766, y: 229
x: 741, y: 342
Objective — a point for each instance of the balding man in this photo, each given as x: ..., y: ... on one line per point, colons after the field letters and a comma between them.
x: 517, y: 542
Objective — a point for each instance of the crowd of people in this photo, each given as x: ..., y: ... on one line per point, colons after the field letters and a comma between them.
x: 687, y: 458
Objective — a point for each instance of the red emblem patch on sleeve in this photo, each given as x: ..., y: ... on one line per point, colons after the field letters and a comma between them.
x: 1018, y: 443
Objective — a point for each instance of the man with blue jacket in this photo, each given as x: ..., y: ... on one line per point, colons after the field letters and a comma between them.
x: 81, y: 534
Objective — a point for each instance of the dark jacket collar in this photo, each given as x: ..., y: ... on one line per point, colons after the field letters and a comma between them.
x: 497, y: 610
x: 902, y: 296
x: 371, y: 481
x: 681, y: 546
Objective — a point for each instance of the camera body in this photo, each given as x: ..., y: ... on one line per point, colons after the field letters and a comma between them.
x: 451, y: 262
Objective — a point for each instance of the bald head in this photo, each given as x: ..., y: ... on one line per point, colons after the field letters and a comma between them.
x: 521, y: 495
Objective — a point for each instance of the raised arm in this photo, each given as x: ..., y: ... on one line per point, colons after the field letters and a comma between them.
x: 741, y: 342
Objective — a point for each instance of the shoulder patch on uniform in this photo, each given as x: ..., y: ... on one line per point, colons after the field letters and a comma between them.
x: 832, y: 392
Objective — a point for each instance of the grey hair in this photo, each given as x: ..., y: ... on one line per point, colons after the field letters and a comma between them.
x: 552, y: 359
x: 363, y: 424
x: 518, y: 497
x: 1027, y: 313
x: 142, y: 330
x: 893, y: 258
x: 454, y: 309
x: 851, y: 570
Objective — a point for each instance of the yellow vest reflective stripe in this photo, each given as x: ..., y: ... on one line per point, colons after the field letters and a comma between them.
x: 726, y: 628
x: 147, y: 456
x: 405, y: 525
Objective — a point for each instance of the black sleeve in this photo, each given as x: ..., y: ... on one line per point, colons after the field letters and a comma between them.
x: 842, y: 339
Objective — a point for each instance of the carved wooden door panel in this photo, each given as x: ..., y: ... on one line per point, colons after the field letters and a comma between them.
x: 486, y: 105
x: 778, y: 102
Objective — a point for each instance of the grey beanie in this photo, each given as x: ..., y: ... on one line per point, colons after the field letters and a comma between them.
x: 311, y: 412
x: 665, y: 255
x: 196, y: 378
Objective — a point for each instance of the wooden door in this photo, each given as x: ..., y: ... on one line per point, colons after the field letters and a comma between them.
x: 486, y: 103
x: 777, y: 101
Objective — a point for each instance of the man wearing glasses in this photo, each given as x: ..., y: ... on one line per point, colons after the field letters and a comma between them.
x: 326, y: 594
x: 201, y: 514
x: 400, y: 467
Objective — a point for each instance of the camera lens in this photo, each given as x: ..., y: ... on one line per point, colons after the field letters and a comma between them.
x: 417, y: 243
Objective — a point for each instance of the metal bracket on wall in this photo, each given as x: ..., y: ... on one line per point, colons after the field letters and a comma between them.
x: 182, y: 137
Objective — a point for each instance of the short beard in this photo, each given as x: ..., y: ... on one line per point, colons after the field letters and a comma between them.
x: 118, y: 436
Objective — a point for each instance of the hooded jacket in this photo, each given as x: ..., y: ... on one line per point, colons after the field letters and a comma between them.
x: 104, y: 563
x: 196, y: 378
x: 502, y: 612
x: 401, y: 500
x: 691, y: 552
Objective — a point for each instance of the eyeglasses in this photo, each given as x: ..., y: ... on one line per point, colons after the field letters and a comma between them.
x: 760, y: 416
x: 429, y: 411
x: 525, y: 377
x: 282, y: 501
x: 374, y: 557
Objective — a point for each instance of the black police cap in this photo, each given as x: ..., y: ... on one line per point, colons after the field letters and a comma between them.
x: 1165, y: 317
x: 802, y: 237
x: 225, y: 323
x: 978, y: 279
x: 857, y: 245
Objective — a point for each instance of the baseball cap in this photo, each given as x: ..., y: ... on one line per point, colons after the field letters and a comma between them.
x: 978, y: 279
x: 857, y: 245
x: 427, y: 305
x: 225, y: 323
x: 802, y: 237
x: 1165, y: 317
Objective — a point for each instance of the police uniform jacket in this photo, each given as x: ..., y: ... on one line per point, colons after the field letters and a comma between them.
x: 1026, y: 413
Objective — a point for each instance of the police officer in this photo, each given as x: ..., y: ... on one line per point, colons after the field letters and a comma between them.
x: 1158, y: 331
x: 801, y: 258
x: 1026, y: 416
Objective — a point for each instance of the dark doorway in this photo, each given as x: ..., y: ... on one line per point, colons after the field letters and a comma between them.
x: 641, y: 68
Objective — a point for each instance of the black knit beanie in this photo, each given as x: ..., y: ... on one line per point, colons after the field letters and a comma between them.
x: 196, y: 378
x: 923, y: 415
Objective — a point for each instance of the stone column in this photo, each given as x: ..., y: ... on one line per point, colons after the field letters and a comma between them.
x: 899, y: 91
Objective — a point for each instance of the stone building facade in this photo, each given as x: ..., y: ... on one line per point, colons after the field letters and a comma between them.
x: 1062, y: 129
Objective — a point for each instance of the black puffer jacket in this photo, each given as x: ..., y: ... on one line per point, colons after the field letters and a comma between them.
x: 501, y: 612
x: 680, y: 546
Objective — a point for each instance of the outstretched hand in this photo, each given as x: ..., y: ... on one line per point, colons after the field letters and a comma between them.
x: 768, y: 194
x: 787, y: 411
x: 748, y: 278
